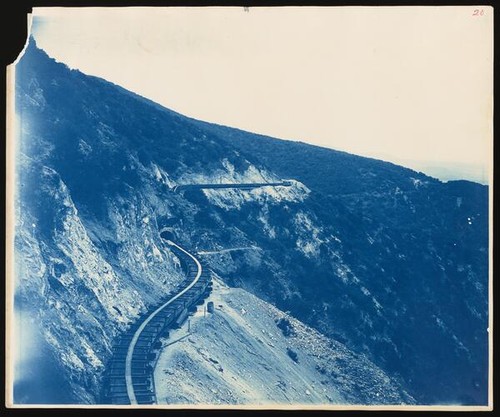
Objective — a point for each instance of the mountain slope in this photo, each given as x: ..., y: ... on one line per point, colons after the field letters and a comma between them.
x: 418, y: 247
x: 279, y: 360
x: 389, y: 262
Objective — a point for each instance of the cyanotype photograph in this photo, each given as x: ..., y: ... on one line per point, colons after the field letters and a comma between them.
x: 251, y: 207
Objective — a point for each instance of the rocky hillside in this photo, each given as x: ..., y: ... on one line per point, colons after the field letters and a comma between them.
x: 386, y: 261
x: 279, y: 360
x: 411, y: 264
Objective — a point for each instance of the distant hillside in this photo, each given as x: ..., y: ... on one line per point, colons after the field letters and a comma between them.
x: 332, y: 172
x: 410, y: 237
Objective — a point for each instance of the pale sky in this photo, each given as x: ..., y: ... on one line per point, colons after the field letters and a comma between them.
x: 410, y: 85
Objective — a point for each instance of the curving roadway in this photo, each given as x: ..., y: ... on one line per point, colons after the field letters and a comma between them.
x: 130, y: 352
x: 128, y: 378
x: 240, y: 185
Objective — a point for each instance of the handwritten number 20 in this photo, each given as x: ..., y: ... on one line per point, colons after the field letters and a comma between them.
x: 478, y: 12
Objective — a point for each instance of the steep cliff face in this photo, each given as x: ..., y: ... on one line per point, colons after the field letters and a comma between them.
x: 386, y: 261
x: 80, y: 280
